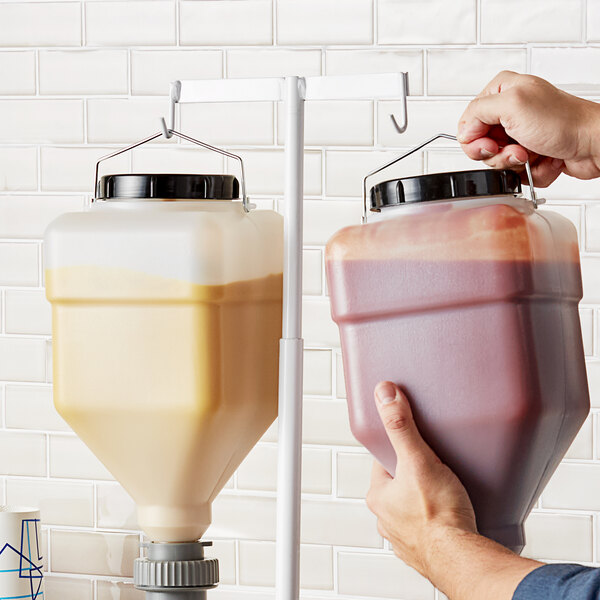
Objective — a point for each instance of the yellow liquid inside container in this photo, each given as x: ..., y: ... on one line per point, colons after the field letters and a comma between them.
x: 169, y: 383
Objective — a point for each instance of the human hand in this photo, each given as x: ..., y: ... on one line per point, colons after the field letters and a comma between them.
x: 519, y: 117
x: 424, y: 498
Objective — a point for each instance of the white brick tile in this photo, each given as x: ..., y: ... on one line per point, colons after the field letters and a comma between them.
x: 130, y: 23
x: 70, y: 457
x: 593, y: 376
x: 88, y: 553
x: 340, y: 384
x: 116, y: 590
x: 153, y: 70
x: 581, y: 448
x: 265, y: 170
x: 322, y: 218
x: 18, y: 72
x: 18, y: 264
x: 60, y: 503
x: 388, y: 577
x: 592, y: 224
x: 40, y: 24
x: 53, y: 121
x: 346, y: 170
x: 22, y: 453
x: 339, y: 523
x: 574, y: 487
x: 84, y: 72
x: 31, y: 407
x: 235, y: 123
x: 116, y: 120
x: 326, y: 422
x: 244, y: 517
x: 466, y: 72
x: 71, y: 168
x: 27, y: 311
x: 432, y: 22
x: 257, y: 565
x: 349, y: 62
x: 593, y: 20
x: 273, y: 63
x: 28, y: 216
x: 339, y: 123
x: 18, y: 168
x: 590, y: 271
x: 531, y: 21
x: 22, y: 359
x: 558, y: 537
x: 353, y: 474
x: 317, y: 372
x: 425, y: 119
x: 259, y: 470
x: 318, y: 328
x: 115, y: 508
x: 175, y: 159
x: 451, y: 160
x: 569, y: 68
x: 586, y: 316
x: 312, y: 267
x: 49, y: 373
x: 227, y: 22
x: 322, y: 22
x: 224, y: 552
x: 569, y: 188
x: 67, y: 588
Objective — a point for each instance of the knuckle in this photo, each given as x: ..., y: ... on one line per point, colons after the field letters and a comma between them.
x: 398, y: 422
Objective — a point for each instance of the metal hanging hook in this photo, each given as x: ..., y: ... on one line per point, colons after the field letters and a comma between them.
x: 446, y: 136
x: 168, y: 133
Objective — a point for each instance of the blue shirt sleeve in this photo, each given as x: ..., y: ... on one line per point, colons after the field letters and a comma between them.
x: 560, y: 582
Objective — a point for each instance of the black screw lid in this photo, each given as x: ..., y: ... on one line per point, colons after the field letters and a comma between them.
x: 445, y: 186
x: 168, y: 186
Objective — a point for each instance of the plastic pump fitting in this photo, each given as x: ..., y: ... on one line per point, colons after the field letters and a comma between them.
x: 175, y: 571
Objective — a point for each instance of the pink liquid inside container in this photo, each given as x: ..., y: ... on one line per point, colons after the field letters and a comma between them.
x: 466, y: 295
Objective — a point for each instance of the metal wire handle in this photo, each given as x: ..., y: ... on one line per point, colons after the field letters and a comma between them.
x: 182, y: 136
x: 446, y: 136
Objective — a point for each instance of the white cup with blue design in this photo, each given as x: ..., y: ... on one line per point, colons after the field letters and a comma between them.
x: 21, y: 555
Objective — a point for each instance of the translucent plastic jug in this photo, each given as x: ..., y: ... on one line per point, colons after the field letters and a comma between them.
x: 466, y: 295
x: 166, y: 300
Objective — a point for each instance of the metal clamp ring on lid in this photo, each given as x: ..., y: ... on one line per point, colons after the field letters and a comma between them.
x: 446, y: 136
x: 182, y: 136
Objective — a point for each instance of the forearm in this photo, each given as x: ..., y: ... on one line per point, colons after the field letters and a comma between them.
x: 467, y: 566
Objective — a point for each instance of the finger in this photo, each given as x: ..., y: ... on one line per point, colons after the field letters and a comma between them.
x: 509, y: 157
x: 545, y: 171
x: 480, y: 116
x: 481, y: 149
x: 397, y: 418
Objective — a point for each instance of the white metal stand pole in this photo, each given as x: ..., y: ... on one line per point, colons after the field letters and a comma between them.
x: 290, y: 352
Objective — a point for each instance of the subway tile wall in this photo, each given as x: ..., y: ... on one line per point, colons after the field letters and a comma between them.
x: 79, y: 78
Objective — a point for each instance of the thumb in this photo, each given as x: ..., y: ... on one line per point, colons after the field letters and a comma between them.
x: 397, y: 418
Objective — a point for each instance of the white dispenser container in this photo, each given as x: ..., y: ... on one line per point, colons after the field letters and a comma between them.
x: 166, y: 299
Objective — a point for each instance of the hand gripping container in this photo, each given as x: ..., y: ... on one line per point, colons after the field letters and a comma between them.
x: 466, y: 295
x: 166, y: 302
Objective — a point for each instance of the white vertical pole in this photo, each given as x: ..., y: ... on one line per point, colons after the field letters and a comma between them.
x: 290, y: 353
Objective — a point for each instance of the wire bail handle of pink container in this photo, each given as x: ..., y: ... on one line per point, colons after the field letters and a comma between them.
x: 168, y: 133
x: 446, y: 136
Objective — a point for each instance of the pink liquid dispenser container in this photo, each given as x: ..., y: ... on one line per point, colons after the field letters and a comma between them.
x: 463, y: 293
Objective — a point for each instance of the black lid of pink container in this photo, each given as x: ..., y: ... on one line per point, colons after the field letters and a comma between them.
x: 445, y: 186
